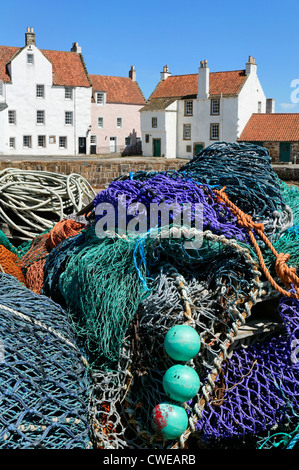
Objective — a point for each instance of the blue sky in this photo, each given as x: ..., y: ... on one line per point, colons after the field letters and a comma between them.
x: 115, y: 34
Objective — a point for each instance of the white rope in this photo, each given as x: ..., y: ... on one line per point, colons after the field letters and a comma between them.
x: 25, y: 196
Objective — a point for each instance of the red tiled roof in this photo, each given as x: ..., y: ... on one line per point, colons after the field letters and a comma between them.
x: 6, y: 54
x: 227, y: 83
x: 68, y: 70
x: 118, y: 89
x: 276, y: 127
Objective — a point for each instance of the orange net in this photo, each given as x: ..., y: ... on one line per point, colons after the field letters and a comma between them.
x: 8, y: 264
x: 63, y: 230
x: 35, y: 276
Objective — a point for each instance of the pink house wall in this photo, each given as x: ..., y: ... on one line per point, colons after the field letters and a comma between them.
x: 110, y: 112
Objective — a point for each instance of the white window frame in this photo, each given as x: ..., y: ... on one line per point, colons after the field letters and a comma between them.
x: 40, y: 91
x: 93, y: 139
x: 63, y: 138
x: 100, y: 98
x: 12, y: 142
x: 40, y: 117
x: 12, y: 112
x: 188, y: 108
x: 154, y: 122
x: 213, y: 127
x: 68, y: 118
x: 119, y: 123
x: 102, y: 122
x: 43, y: 137
x: 29, y: 137
x: 187, y: 131
x: 259, y: 107
x: 215, y: 107
x: 30, y: 59
x: 68, y: 93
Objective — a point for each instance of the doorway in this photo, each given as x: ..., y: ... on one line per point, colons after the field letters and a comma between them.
x: 156, y: 147
x: 197, y: 147
x: 112, y: 147
x: 284, y: 152
x: 82, y: 144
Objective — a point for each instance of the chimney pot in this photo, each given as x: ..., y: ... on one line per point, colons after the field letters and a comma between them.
x: 76, y: 48
x: 132, y: 73
x: 29, y: 37
x: 165, y: 72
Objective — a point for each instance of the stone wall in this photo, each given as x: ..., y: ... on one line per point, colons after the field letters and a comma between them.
x: 273, y: 148
x: 101, y: 172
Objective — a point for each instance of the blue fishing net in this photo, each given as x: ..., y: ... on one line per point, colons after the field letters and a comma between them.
x: 43, y: 374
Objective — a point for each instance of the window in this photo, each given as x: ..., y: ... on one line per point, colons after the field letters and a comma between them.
x: 189, y: 108
x: 188, y: 148
x: 119, y: 123
x: 187, y: 131
x: 93, y: 139
x: 259, y: 107
x: 12, y: 142
x: 41, y: 140
x: 40, y: 117
x: 62, y: 142
x: 30, y: 59
x: 1, y: 89
x: 100, y: 122
x: 11, y: 117
x: 146, y: 138
x: 68, y: 93
x: 100, y: 98
x: 27, y: 141
x: 128, y: 141
x: 52, y: 139
x: 68, y: 117
x: 214, y: 131
x: 215, y: 106
x: 154, y: 122
x: 40, y: 91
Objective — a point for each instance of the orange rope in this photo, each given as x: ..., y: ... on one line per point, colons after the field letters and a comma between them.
x: 285, y: 273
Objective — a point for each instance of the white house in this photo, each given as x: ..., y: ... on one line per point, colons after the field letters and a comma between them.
x: 186, y: 113
x: 45, y: 100
x: 115, y: 117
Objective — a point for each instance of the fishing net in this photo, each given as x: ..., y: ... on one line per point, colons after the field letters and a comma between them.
x: 43, y: 374
x: 215, y: 300
x: 259, y: 388
x: 8, y: 264
x: 130, y: 199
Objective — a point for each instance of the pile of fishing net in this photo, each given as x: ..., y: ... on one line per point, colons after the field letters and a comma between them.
x: 44, y: 384
x: 222, y: 266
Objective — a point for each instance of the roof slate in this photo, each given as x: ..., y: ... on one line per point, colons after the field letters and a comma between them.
x: 227, y: 83
x: 118, y: 89
x: 67, y: 67
x: 274, y: 127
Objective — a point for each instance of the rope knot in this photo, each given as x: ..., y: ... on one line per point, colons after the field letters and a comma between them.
x: 284, y: 272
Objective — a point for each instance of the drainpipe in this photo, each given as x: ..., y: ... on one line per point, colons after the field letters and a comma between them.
x: 75, y: 121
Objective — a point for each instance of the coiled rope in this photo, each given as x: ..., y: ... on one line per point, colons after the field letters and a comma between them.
x: 33, y: 201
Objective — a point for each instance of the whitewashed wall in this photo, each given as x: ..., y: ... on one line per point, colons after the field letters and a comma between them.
x: 21, y: 97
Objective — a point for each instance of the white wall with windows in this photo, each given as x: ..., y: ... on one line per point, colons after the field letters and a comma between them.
x: 37, y: 117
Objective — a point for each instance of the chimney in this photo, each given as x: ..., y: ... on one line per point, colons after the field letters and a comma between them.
x: 270, y: 105
x: 165, y: 73
x: 76, y: 48
x: 29, y: 37
x: 203, y: 80
x: 132, y: 73
x: 250, y: 65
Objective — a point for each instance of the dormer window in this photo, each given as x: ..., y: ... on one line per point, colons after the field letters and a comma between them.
x: 30, y: 59
x: 100, y: 98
